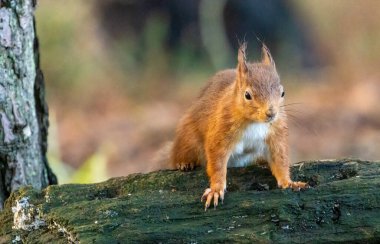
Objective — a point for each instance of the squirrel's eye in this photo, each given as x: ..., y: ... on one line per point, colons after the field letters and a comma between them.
x: 247, y: 96
x: 283, y: 94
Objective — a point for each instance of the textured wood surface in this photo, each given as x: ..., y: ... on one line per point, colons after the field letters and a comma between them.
x: 23, y: 112
x: 343, y: 205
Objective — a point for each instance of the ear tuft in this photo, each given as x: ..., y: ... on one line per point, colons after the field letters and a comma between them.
x: 266, y: 56
x: 242, y: 61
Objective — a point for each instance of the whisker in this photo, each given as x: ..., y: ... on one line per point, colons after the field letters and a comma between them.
x: 289, y: 115
x: 294, y: 120
x: 292, y: 116
x: 292, y: 110
x: 291, y: 104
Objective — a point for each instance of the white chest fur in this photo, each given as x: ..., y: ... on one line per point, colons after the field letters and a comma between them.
x: 251, y: 146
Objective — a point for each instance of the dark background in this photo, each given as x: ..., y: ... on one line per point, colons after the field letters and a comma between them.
x: 119, y: 74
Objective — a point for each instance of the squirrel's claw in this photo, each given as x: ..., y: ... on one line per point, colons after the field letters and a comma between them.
x: 186, y: 166
x: 295, y: 185
x: 211, y: 194
x: 205, y: 194
x: 298, y: 185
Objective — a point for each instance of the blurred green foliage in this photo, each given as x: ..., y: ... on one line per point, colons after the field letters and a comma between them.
x: 93, y: 169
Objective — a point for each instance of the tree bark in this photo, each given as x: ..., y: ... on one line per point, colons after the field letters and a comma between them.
x: 23, y: 111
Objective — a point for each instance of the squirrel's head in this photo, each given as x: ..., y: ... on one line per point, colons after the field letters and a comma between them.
x: 258, y: 89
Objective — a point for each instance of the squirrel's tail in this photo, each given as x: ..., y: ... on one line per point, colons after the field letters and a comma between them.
x: 161, y: 159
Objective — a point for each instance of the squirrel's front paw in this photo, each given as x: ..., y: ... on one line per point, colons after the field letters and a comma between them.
x: 294, y: 185
x: 210, y: 194
x: 186, y: 166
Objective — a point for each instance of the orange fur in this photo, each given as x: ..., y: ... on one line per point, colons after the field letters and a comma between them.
x: 216, y: 122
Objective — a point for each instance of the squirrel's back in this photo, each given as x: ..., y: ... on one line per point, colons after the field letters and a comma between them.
x: 188, y: 147
x: 216, y: 91
x: 219, y: 82
x: 213, y: 92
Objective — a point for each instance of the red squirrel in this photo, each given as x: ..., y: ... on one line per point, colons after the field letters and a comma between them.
x: 237, y: 119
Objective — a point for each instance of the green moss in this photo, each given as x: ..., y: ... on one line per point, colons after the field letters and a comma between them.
x: 165, y: 207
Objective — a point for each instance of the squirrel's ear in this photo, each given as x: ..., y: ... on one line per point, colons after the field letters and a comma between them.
x: 242, y: 68
x: 266, y: 56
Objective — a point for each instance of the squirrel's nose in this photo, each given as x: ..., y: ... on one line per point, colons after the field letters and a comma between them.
x: 270, y: 115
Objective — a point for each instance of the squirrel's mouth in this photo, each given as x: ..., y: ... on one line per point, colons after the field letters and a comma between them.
x: 268, y: 120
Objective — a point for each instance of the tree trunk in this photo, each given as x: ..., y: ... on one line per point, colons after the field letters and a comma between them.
x: 23, y: 111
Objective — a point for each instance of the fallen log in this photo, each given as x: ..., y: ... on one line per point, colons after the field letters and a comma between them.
x: 342, y: 205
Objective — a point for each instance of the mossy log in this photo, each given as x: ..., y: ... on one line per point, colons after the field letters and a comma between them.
x: 342, y: 205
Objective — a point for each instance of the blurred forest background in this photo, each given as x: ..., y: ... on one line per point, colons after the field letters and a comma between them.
x: 119, y: 74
